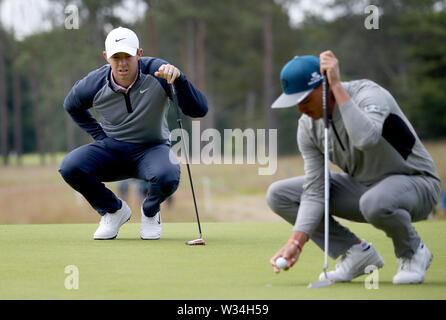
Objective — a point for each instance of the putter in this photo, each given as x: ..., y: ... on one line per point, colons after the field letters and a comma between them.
x: 325, y: 282
x: 199, y: 241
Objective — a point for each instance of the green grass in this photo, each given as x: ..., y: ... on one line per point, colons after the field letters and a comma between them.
x: 233, y: 264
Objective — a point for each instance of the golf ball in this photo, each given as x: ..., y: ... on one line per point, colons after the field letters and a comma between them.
x: 281, y: 262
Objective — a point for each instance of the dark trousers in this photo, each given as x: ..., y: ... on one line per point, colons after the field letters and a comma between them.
x: 87, y: 167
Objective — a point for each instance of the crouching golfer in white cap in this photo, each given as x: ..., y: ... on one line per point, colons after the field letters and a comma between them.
x: 132, y: 139
x: 389, y: 178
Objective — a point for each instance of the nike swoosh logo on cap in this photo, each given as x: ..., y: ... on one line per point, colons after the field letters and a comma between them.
x: 142, y: 91
x: 117, y: 40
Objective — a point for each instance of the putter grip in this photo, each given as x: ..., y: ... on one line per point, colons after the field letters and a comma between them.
x: 325, y: 99
x: 175, y: 102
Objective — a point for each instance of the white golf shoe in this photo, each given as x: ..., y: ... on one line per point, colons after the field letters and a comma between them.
x: 111, y: 222
x: 413, y: 270
x: 151, y: 227
x: 354, y: 263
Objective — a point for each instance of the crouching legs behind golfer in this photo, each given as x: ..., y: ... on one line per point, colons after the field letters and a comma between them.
x: 390, y: 205
x: 86, y: 169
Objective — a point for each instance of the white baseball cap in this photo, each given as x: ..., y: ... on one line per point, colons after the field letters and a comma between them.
x: 121, y: 40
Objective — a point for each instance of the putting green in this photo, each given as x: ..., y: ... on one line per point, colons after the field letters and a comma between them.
x: 233, y: 265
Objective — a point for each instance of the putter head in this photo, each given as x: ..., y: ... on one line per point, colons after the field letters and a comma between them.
x: 196, y: 242
x: 320, y: 284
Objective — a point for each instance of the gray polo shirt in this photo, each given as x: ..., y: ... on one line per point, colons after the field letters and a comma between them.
x: 137, y: 115
x: 375, y: 141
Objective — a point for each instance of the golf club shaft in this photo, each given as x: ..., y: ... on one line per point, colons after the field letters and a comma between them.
x: 180, y: 124
x: 327, y: 172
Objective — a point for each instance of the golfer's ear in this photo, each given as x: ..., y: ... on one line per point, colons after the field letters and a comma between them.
x: 104, y: 53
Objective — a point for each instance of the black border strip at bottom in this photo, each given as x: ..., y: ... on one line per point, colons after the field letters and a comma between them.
x: 223, y: 309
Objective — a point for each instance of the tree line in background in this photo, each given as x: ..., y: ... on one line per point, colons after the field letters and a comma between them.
x: 232, y: 51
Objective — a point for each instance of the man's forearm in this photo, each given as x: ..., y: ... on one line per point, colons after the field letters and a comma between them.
x: 191, y: 100
x: 88, y: 123
x: 341, y: 96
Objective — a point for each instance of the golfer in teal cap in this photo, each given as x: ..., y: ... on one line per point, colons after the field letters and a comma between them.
x: 388, y: 180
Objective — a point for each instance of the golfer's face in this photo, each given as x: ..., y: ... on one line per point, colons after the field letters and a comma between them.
x: 312, y: 104
x: 124, y: 67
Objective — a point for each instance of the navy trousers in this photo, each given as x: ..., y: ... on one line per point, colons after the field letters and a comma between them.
x: 87, y: 167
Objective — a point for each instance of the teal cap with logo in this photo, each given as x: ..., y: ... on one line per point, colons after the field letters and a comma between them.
x: 298, y: 78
